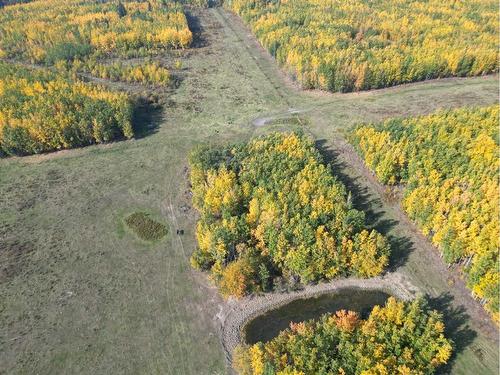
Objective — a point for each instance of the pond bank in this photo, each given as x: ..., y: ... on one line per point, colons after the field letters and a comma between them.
x: 234, y: 314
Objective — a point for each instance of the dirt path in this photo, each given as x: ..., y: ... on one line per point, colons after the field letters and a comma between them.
x: 281, y: 82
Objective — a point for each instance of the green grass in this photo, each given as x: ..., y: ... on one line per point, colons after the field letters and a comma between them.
x: 144, y: 227
x: 292, y: 120
x: 78, y: 297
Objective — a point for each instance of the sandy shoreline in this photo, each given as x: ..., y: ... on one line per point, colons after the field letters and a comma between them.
x: 234, y: 314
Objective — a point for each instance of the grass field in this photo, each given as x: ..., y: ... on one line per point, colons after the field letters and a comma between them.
x: 82, y: 295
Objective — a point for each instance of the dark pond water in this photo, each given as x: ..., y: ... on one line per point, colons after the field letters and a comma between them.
x: 268, y: 325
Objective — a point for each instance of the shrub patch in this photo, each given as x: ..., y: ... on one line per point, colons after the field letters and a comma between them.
x: 145, y: 227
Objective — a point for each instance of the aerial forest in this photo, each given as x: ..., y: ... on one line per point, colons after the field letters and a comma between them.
x: 51, y: 51
x: 448, y: 163
x: 41, y: 111
x: 271, y: 209
x: 359, y: 45
x: 399, y: 338
x: 50, y: 31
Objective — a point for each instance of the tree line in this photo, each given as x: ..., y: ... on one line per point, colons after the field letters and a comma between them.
x: 146, y: 72
x: 54, y: 30
x: 42, y: 111
x: 358, y: 45
x: 270, y: 209
x: 449, y: 164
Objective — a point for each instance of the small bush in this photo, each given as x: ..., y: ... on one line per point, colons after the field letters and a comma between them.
x: 146, y: 228
x: 67, y: 51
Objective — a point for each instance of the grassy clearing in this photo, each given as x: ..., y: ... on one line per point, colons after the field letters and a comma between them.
x: 144, y: 227
x: 79, y: 298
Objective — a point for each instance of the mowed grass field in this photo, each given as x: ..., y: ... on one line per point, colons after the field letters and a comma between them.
x: 80, y: 294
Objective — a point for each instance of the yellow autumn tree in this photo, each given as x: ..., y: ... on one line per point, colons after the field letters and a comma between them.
x: 345, y: 46
x: 398, y: 338
x: 449, y: 163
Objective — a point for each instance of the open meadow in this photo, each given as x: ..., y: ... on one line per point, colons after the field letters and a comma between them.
x: 81, y: 293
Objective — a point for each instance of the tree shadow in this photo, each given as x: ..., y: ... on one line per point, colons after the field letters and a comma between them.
x: 363, y: 200
x: 401, y: 248
x: 456, y: 327
x: 199, y: 39
x: 146, y: 118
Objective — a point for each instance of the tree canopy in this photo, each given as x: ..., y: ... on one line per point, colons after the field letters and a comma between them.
x: 398, y: 338
x: 41, y: 111
x: 270, y: 208
x: 449, y: 164
x: 343, y: 46
x: 54, y: 30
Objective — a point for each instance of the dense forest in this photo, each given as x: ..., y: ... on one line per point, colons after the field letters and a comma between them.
x: 50, y: 108
x: 271, y: 209
x: 364, y: 44
x: 82, y: 38
x: 399, y: 338
x: 146, y: 72
x: 449, y: 164
x: 41, y: 111
x: 53, y: 30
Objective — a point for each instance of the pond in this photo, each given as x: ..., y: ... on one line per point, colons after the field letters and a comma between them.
x: 267, y: 326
